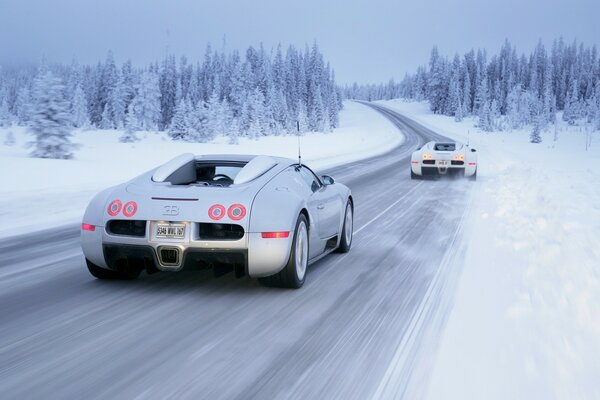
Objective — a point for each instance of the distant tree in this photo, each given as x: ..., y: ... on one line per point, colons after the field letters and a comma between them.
x: 106, y: 120
x: 50, y: 119
x: 535, y: 136
x: 22, y: 105
x: 146, y: 104
x: 459, y: 112
x: 5, y: 116
x: 79, y: 109
x: 179, y: 124
x: 131, y: 127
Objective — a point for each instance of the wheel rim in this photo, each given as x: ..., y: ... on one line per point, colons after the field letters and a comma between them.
x: 301, y: 250
x: 348, y: 224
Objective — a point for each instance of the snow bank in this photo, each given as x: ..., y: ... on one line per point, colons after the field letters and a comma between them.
x: 526, y: 321
x: 41, y: 193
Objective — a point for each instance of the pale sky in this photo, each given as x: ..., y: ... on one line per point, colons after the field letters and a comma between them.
x: 365, y: 40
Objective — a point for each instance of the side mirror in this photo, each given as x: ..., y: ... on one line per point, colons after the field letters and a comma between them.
x: 327, y: 180
x: 473, y: 150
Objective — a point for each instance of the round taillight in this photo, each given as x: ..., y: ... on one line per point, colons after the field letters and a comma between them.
x: 216, y: 212
x: 130, y: 209
x: 114, y: 208
x: 236, y: 212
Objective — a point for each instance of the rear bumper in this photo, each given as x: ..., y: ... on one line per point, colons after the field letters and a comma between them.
x: 449, y: 170
x: 122, y: 256
x: 257, y: 256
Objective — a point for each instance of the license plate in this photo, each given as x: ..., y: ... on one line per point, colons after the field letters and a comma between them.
x: 443, y: 162
x: 170, y: 231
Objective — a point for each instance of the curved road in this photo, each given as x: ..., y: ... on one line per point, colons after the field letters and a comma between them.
x: 365, y: 325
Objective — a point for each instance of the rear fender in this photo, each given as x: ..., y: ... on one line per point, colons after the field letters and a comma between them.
x: 275, y: 208
x: 91, y: 241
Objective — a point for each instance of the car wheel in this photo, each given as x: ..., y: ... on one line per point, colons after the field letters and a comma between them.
x: 347, y: 229
x: 474, y: 176
x: 413, y: 175
x: 294, y: 272
x: 103, y: 273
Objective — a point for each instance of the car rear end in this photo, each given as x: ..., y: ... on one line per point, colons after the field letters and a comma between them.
x: 443, y: 159
x: 161, y: 226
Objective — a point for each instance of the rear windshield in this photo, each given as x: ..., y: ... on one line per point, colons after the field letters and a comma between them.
x: 218, y: 173
x: 444, y: 147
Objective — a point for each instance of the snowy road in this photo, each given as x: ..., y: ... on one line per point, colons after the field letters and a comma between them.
x: 366, y: 324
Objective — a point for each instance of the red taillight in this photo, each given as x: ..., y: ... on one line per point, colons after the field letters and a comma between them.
x: 275, y: 235
x: 130, y: 209
x: 114, y: 208
x: 88, y: 227
x: 414, y: 162
x: 216, y: 212
x: 472, y: 163
x: 236, y: 212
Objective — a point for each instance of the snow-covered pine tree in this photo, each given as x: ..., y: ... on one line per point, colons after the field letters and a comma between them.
x: 117, y: 102
x: 437, y: 83
x: 316, y: 113
x: 168, y: 90
x: 146, y: 104
x: 22, y: 105
x: 50, y: 120
x: 597, y: 98
x: 131, y: 126
x: 234, y: 131
x: 513, y: 112
x: 454, y: 101
x: 535, y: 136
x: 106, y: 120
x: 548, y: 111
x: 494, y: 119
x: 79, y: 109
x: 5, y: 116
x: 485, y: 117
x: 302, y: 118
x: 571, y: 112
x: 201, y: 126
x: 459, y: 112
x: 481, y: 96
x: 179, y: 129
x: 256, y: 126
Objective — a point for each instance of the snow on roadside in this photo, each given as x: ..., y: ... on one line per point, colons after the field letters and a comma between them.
x: 526, y: 318
x: 40, y: 193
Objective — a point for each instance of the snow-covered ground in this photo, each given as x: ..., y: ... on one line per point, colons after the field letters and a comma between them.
x: 41, y: 193
x: 526, y: 318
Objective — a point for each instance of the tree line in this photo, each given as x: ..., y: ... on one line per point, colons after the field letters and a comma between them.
x: 255, y: 94
x: 505, y: 91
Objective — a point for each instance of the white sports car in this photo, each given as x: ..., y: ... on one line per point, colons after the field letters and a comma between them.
x: 262, y: 216
x: 444, y: 159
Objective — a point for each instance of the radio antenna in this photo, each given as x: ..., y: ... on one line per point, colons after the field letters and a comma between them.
x: 299, y: 154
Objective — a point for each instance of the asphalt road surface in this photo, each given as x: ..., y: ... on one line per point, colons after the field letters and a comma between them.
x: 365, y: 325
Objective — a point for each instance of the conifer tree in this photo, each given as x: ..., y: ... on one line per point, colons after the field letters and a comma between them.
x: 179, y: 124
x: 50, y: 121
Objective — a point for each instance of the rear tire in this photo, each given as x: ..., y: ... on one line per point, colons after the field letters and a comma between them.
x: 346, y: 240
x: 474, y: 176
x: 414, y: 176
x: 109, y: 274
x: 294, y: 272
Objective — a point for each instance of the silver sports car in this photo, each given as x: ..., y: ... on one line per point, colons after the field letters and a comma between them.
x: 263, y: 216
x: 444, y: 159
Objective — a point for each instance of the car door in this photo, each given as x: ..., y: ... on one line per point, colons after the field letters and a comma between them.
x: 326, y: 200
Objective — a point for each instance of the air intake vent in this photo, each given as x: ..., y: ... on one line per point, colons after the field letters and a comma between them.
x: 209, y: 231
x: 126, y: 227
